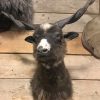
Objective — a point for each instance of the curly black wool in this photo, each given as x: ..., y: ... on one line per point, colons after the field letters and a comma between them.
x: 21, y: 10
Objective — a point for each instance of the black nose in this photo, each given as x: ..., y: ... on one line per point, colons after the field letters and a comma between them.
x: 42, y: 50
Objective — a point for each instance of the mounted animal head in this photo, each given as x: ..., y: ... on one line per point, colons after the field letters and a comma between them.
x: 49, y: 39
x: 49, y: 42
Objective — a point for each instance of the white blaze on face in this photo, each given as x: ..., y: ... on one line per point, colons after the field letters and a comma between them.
x: 44, y: 44
x: 45, y: 26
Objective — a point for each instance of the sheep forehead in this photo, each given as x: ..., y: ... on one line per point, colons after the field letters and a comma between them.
x: 46, y: 26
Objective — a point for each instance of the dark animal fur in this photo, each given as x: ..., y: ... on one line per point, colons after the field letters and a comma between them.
x: 51, y: 80
x: 52, y: 84
x: 21, y: 10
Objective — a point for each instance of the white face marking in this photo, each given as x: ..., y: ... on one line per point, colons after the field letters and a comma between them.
x: 45, y: 26
x: 45, y: 44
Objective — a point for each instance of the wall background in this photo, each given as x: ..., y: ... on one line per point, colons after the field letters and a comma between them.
x: 17, y: 64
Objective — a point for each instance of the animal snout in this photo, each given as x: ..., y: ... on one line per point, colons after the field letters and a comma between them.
x: 44, y: 46
x: 42, y: 50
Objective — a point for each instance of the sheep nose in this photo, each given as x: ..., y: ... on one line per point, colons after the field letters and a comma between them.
x: 42, y: 50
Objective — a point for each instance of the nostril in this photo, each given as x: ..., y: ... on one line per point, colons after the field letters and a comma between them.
x: 39, y: 49
x: 45, y: 50
x: 42, y: 50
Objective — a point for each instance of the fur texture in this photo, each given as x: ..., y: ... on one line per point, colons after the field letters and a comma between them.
x: 21, y: 10
x: 51, y: 80
x: 52, y: 84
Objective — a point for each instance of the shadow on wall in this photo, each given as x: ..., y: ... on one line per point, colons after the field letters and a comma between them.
x: 76, y: 70
x: 28, y: 60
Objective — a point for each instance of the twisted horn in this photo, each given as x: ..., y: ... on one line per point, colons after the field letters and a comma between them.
x: 75, y: 17
x: 21, y: 25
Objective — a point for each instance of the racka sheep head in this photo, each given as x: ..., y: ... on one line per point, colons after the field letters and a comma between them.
x: 49, y: 39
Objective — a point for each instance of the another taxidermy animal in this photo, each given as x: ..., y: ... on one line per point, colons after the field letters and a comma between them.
x: 91, y: 37
x: 13, y: 12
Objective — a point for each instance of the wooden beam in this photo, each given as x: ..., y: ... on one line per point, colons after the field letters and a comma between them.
x: 63, y: 6
x: 23, y: 66
x: 53, y: 17
x: 16, y: 89
x: 13, y: 42
x: 75, y: 46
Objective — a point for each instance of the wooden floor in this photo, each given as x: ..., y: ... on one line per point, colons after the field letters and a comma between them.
x: 17, y: 64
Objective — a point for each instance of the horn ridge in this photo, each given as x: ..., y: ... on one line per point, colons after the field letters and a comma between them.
x: 75, y: 17
x: 20, y: 24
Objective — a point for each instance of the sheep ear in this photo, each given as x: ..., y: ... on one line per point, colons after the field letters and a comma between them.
x: 29, y: 39
x: 21, y: 25
x: 71, y: 35
x: 75, y: 17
